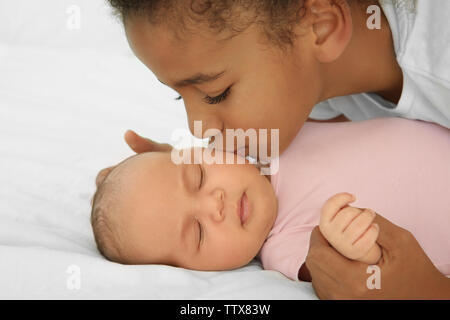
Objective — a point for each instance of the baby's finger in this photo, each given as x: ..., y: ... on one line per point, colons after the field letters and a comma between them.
x: 344, y: 217
x: 359, y: 225
x: 367, y: 240
x: 333, y: 205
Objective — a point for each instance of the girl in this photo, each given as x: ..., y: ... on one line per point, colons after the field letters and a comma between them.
x: 272, y: 64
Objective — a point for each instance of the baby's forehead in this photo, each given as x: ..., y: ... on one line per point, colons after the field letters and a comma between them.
x: 140, y: 175
x: 135, y: 164
x: 175, y: 157
x: 154, y: 164
x: 154, y: 158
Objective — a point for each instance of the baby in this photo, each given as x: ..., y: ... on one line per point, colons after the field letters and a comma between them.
x: 149, y: 210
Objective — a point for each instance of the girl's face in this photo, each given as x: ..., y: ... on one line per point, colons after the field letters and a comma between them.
x: 242, y: 82
x: 188, y: 215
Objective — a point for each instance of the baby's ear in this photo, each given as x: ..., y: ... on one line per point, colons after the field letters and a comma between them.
x: 102, y: 175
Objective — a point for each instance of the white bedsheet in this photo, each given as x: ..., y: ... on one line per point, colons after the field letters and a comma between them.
x: 63, y: 112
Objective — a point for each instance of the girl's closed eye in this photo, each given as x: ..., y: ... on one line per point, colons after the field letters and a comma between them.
x: 214, y: 100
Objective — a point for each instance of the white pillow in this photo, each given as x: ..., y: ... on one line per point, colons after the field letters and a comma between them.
x: 61, y: 23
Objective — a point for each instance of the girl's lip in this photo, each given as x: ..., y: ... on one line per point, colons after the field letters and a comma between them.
x: 243, y: 208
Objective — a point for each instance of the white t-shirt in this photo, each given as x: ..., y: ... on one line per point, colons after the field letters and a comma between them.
x: 421, y: 34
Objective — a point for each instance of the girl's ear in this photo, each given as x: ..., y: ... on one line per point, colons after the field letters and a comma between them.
x: 332, y: 27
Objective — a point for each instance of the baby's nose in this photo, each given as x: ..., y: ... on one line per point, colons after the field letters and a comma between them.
x: 216, y: 205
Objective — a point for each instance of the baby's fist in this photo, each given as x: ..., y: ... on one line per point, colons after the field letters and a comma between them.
x: 350, y: 230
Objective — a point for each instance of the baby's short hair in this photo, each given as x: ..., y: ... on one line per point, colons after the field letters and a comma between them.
x: 104, y: 217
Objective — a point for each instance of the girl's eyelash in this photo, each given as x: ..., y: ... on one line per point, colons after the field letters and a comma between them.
x: 218, y: 99
x: 213, y: 100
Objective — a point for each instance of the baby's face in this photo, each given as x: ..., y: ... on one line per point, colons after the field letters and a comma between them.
x: 188, y: 215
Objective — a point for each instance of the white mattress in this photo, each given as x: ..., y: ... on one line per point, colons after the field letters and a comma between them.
x: 66, y: 100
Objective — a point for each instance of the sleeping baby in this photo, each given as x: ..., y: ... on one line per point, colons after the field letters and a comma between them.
x: 149, y: 210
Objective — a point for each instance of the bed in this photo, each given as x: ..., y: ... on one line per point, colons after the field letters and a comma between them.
x: 69, y: 89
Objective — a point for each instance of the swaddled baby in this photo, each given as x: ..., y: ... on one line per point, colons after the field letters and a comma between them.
x: 149, y: 210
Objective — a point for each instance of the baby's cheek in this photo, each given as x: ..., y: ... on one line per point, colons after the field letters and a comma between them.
x: 238, y: 252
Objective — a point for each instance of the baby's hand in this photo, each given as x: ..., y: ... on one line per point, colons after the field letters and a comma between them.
x: 350, y: 230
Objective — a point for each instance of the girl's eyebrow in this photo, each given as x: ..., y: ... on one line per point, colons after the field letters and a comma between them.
x: 197, y: 79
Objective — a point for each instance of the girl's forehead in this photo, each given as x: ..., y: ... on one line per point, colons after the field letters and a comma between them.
x: 159, y: 46
x: 139, y: 29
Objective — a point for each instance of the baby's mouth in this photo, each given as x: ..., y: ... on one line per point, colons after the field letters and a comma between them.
x: 243, y: 208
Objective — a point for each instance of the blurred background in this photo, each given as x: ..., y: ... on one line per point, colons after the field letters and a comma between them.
x: 69, y: 89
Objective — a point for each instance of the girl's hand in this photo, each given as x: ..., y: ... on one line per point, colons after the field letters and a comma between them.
x: 139, y: 145
x: 405, y: 271
x: 350, y: 230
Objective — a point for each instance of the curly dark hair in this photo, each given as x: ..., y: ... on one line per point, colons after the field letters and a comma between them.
x: 277, y: 18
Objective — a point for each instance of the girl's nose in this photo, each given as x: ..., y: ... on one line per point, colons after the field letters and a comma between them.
x: 203, y: 125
